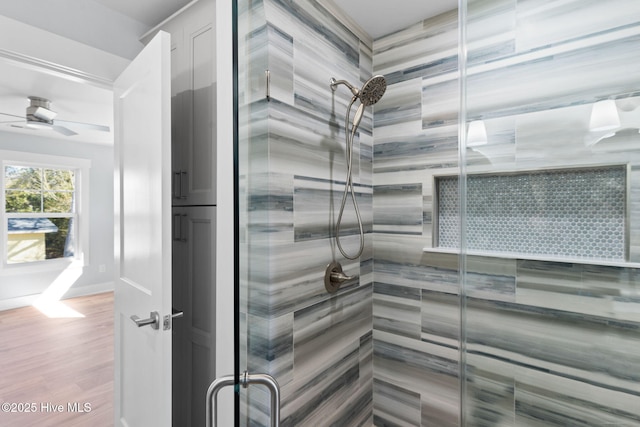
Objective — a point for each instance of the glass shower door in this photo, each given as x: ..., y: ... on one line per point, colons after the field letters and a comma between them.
x: 257, y: 391
x: 291, y: 172
x: 550, y: 199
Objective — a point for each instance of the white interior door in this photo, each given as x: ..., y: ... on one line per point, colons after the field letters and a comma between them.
x: 142, y: 99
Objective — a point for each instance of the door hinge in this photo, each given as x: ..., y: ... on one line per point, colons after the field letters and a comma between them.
x: 268, y: 86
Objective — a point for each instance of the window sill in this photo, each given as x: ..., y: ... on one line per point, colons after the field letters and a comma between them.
x: 40, y: 266
x: 530, y: 257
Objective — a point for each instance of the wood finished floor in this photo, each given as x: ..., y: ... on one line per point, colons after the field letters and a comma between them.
x: 59, y: 362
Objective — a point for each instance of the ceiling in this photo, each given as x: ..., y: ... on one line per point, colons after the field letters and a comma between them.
x: 381, y: 17
x: 71, y: 100
x: 109, y: 26
x: 114, y: 27
x: 149, y: 12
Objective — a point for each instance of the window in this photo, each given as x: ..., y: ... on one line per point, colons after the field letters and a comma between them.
x: 42, y: 203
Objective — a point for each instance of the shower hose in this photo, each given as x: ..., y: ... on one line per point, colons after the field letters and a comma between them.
x: 348, y: 187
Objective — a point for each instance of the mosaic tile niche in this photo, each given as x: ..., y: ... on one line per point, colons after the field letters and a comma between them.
x: 576, y: 213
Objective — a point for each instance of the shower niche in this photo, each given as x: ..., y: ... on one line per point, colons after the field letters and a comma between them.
x: 576, y: 213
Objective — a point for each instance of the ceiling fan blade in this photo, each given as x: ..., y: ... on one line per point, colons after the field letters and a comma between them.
x: 63, y: 130
x: 80, y: 125
x: 40, y: 126
x: 12, y: 115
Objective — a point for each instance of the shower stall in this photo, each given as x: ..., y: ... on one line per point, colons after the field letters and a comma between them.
x: 498, y: 186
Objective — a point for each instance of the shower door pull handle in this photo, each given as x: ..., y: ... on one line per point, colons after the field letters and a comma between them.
x: 246, y: 379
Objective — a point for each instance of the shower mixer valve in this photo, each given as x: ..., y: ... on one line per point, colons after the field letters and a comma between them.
x: 334, y: 277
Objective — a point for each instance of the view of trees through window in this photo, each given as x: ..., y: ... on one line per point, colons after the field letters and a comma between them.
x: 39, y: 206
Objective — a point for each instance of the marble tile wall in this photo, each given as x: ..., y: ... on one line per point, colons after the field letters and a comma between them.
x: 318, y: 346
x: 548, y: 343
x: 415, y: 294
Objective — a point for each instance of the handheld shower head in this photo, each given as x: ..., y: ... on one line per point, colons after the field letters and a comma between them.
x: 371, y: 92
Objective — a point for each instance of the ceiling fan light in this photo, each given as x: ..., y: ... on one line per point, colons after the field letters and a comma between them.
x: 43, y: 114
x: 477, y: 134
x: 604, y: 116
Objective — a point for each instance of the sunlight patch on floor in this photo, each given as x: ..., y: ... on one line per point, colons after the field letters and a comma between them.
x: 56, y: 309
x: 49, y: 301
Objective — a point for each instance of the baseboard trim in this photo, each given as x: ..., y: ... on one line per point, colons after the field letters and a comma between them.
x: 80, y: 291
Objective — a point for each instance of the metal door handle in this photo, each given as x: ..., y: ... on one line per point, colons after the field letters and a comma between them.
x: 153, y: 320
x: 184, y: 194
x: 211, y: 416
x: 183, y: 217
x: 245, y: 380
x: 177, y: 185
x: 168, y: 319
x: 177, y: 228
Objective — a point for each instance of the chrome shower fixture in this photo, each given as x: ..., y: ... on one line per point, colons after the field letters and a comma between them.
x: 369, y: 94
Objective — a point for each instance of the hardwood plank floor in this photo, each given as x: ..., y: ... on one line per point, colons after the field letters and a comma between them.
x: 47, y: 362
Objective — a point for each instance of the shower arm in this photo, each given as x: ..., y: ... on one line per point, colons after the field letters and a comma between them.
x: 334, y: 85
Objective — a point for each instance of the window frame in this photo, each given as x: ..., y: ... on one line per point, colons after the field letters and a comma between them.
x: 81, y: 169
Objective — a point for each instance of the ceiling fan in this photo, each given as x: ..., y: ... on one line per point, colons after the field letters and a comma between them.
x: 40, y: 116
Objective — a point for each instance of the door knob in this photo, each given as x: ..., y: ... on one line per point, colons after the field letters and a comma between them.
x: 153, y: 320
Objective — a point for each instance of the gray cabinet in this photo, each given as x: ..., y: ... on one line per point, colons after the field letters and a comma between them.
x: 193, y: 133
x: 193, y: 105
x: 194, y: 254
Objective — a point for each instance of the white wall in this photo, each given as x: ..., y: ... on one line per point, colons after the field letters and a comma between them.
x: 22, y: 289
x: 88, y: 22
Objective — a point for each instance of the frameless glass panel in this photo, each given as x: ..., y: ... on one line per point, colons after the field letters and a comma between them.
x: 292, y: 171
x: 252, y: 336
x: 551, y: 341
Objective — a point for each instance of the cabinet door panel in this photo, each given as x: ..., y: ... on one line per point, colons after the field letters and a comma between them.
x: 195, y: 103
x: 194, y: 258
x: 202, y: 159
